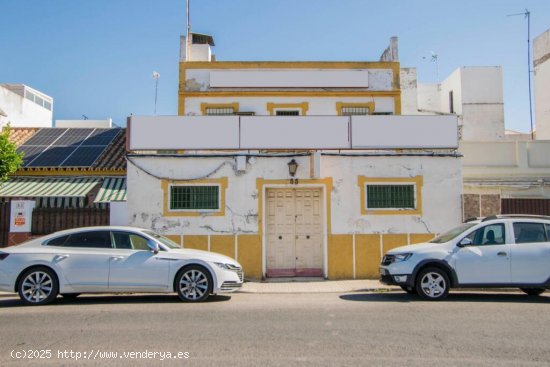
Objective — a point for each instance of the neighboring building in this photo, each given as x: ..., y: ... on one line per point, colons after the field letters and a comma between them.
x: 541, y: 64
x: 72, y: 177
x: 23, y: 106
x: 474, y: 94
x: 293, y: 168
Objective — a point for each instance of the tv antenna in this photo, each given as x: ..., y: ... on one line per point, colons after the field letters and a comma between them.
x: 435, y: 59
x: 156, y: 77
x: 527, y: 15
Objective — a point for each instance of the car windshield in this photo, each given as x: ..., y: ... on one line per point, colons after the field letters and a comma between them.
x: 453, y: 233
x: 164, y: 240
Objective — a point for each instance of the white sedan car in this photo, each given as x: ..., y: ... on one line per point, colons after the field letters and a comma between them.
x: 113, y: 259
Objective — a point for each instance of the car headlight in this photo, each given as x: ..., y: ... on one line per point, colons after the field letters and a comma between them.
x: 224, y: 266
x: 402, y: 257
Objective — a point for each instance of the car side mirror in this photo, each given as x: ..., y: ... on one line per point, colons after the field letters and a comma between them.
x: 153, y: 247
x: 465, y: 242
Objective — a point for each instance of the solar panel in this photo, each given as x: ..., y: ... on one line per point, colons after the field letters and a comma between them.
x: 45, y: 136
x: 52, y: 157
x: 102, y: 137
x: 73, y: 137
x: 31, y: 152
x: 84, y: 156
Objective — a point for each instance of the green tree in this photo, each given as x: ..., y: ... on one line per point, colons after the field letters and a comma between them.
x: 10, y: 160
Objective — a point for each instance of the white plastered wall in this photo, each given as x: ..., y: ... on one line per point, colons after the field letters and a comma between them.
x: 441, y: 192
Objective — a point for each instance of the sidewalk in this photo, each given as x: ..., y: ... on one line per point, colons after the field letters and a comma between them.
x: 316, y: 286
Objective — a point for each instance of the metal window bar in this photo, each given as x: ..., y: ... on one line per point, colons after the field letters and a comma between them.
x: 194, y: 197
x: 355, y: 111
x: 390, y: 197
x: 287, y: 113
x: 220, y: 111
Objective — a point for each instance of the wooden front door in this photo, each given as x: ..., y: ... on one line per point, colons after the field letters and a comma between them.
x: 294, y: 232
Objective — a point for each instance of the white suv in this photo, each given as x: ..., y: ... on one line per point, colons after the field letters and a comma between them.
x: 497, y: 251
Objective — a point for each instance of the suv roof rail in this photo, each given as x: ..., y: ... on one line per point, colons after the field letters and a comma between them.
x: 519, y: 216
x: 471, y: 219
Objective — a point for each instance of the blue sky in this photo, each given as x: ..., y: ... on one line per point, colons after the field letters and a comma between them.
x: 96, y: 57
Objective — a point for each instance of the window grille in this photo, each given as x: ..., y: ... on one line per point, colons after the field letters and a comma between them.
x: 390, y: 196
x: 194, y: 197
x: 287, y: 113
x: 219, y: 111
x: 354, y: 111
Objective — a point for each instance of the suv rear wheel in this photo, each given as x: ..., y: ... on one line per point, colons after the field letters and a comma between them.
x: 432, y: 284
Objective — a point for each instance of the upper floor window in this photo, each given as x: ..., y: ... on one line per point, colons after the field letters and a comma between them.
x: 227, y: 109
x: 354, y: 109
x: 287, y: 113
x: 38, y: 100
x: 287, y: 109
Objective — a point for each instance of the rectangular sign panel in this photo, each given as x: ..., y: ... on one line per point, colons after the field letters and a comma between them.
x: 295, y: 132
x: 184, y: 132
x: 404, y: 132
x: 289, y: 78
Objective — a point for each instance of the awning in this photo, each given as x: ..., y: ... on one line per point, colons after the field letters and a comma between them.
x: 113, y: 189
x: 48, y: 187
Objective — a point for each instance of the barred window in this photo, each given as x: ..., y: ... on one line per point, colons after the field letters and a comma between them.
x: 219, y: 111
x: 354, y: 111
x: 287, y: 113
x: 390, y: 196
x: 194, y: 197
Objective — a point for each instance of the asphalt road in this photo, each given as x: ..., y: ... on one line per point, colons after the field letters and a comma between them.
x: 363, y: 329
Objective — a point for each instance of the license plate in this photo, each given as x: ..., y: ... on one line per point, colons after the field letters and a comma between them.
x: 383, y: 271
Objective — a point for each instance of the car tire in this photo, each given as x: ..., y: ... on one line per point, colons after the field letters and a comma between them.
x: 38, y: 286
x: 533, y: 291
x: 432, y: 284
x: 409, y: 290
x: 70, y: 295
x: 193, y: 284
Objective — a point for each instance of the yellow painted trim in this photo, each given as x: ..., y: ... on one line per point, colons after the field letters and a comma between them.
x: 327, y: 182
x: 292, y: 93
x: 165, y: 185
x: 69, y: 172
x: 341, y: 105
x: 394, y: 66
x: 204, y: 106
x: 417, y: 180
x: 304, y: 107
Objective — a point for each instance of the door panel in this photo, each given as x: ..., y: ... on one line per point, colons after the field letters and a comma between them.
x: 487, y: 260
x: 530, y: 253
x: 309, y: 239
x: 294, y: 232
x: 138, y: 270
x: 85, y: 269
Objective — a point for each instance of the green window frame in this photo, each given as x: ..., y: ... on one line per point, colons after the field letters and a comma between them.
x: 195, y: 197
x: 390, y: 196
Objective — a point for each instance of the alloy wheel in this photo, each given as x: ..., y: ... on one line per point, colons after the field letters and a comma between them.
x: 433, y: 284
x: 37, y: 287
x: 194, y: 285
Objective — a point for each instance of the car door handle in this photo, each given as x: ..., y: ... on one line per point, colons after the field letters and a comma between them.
x: 502, y: 253
x: 114, y: 258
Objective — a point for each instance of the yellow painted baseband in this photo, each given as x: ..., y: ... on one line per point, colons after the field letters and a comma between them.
x: 369, y: 249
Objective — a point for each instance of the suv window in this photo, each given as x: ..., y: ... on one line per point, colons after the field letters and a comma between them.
x: 529, y: 232
x: 492, y: 234
x: 93, y: 239
x: 130, y: 241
